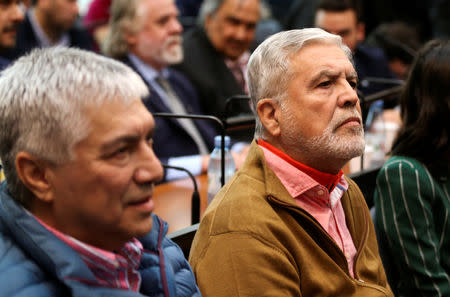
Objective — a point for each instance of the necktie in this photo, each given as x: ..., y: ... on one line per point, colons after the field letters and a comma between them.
x: 175, y: 105
x: 239, y: 76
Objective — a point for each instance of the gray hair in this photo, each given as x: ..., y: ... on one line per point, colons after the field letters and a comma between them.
x: 43, y: 98
x: 210, y: 7
x: 269, y: 71
x: 124, y: 17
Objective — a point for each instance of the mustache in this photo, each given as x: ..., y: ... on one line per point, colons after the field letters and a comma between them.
x: 11, y: 27
x: 339, y: 119
x: 146, y: 187
x: 174, y: 39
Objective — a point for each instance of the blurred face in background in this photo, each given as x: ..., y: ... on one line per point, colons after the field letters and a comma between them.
x: 11, y: 15
x: 342, y: 23
x: 158, y: 39
x: 231, y: 29
x: 60, y: 14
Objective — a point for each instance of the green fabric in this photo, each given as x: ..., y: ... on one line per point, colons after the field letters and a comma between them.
x: 413, y: 224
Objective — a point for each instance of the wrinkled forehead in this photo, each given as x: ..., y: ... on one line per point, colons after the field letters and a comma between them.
x: 236, y: 6
x: 118, y: 117
x: 319, y: 56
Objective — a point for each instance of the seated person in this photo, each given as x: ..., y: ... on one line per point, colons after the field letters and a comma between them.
x: 217, y: 52
x: 11, y: 16
x: 399, y: 42
x: 412, y: 196
x: 149, y: 42
x: 288, y: 223
x: 76, y: 208
x: 51, y: 23
x: 343, y: 17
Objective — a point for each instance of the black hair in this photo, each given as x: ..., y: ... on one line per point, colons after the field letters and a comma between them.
x: 425, y: 108
x: 342, y: 5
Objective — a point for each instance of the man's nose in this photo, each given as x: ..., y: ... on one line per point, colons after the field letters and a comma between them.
x: 17, y: 13
x: 240, y: 32
x: 176, y: 27
x: 348, y: 95
x: 149, y: 167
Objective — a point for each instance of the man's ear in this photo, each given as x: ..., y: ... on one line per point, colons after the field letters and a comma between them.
x: 130, y: 37
x: 207, y: 22
x: 33, y: 173
x: 360, y: 32
x: 268, y: 113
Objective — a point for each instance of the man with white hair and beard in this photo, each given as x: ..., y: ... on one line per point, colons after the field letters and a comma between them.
x: 289, y: 223
x: 146, y: 35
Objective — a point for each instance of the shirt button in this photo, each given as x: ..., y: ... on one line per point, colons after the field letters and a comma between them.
x: 320, y: 192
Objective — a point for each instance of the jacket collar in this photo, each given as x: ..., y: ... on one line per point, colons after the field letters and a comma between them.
x: 53, y: 255
x: 49, y: 252
x: 255, y: 166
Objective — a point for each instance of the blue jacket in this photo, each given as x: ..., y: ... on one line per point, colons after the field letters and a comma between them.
x: 34, y: 262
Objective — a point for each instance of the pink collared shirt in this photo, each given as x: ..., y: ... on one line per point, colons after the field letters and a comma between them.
x: 314, y: 198
x: 112, y: 270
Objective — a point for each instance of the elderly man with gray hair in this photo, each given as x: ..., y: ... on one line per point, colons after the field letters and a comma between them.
x: 289, y: 223
x: 76, y: 208
x: 217, y: 52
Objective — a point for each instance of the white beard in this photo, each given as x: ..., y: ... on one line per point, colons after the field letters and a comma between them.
x: 172, y: 53
x: 344, y: 146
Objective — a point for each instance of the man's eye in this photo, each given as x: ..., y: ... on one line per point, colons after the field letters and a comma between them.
x: 324, y: 84
x: 120, y: 153
x: 353, y: 84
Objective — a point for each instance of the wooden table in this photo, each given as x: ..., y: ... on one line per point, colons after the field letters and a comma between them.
x: 173, y: 201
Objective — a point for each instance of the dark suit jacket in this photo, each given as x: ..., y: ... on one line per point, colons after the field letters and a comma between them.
x: 4, y: 63
x: 170, y: 139
x: 206, y: 69
x: 27, y: 40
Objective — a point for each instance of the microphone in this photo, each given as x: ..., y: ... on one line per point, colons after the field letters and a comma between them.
x: 239, y: 121
x: 386, y: 95
x: 366, y: 81
x: 206, y: 118
x: 195, y: 202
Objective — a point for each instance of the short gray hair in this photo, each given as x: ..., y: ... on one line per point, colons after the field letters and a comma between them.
x: 124, y: 16
x: 43, y: 98
x: 269, y: 71
x: 210, y: 7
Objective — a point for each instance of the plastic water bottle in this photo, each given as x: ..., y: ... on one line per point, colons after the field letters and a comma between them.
x: 214, y: 166
x: 376, y: 134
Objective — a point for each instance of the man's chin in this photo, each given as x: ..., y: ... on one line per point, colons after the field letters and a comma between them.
x: 173, y: 58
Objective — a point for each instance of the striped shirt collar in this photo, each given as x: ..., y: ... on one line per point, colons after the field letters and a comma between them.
x: 112, y: 270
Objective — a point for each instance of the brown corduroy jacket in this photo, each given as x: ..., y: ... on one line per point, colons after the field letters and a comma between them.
x: 255, y: 241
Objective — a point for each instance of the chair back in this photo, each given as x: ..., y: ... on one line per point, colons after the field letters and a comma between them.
x: 367, y: 182
x: 184, y: 238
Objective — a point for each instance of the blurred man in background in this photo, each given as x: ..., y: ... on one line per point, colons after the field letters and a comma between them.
x: 11, y: 15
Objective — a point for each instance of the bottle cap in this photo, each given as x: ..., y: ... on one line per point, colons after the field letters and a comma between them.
x: 218, y: 141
